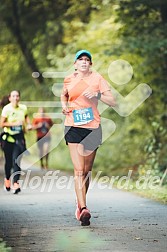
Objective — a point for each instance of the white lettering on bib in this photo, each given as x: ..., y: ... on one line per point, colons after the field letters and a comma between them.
x: 83, y: 116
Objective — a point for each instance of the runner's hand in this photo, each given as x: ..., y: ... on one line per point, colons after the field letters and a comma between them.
x: 29, y: 127
x: 90, y: 94
x: 66, y: 110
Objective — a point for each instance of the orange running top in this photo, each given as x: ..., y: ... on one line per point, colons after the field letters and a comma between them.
x: 75, y: 86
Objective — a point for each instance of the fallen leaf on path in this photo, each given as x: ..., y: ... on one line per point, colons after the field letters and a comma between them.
x: 138, y: 238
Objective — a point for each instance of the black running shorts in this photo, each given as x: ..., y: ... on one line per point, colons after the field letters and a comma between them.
x: 90, y: 138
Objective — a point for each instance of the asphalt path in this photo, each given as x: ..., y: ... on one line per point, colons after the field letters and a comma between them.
x: 41, y: 217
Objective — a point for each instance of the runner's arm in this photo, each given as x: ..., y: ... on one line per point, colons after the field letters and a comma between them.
x: 5, y: 123
x: 64, y: 102
x: 27, y: 120
x: 107, y: 98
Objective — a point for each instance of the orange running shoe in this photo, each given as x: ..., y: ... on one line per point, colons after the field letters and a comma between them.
x: 85, y: 217
x: 7, y: 184
x: 16, y: 188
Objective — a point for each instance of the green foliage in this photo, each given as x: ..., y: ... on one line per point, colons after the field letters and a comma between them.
x: 155, y: 149
x: 158, y: 194
x: 143, y: 32
x: 3, y: 247
x: 52, y: 31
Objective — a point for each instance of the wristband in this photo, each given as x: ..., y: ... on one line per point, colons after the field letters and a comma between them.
x: 98, y: 96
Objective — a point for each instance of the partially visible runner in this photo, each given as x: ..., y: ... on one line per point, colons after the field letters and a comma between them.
x: 14, y: 121
x: 42, y: 124
x: 83, y: 134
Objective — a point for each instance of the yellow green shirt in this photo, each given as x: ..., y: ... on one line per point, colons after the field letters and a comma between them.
x: 14, y: 114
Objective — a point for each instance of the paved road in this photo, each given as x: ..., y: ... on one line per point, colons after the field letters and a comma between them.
x: 41, y: 218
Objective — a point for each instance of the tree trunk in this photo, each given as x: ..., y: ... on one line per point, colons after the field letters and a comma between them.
x: 16, y: 31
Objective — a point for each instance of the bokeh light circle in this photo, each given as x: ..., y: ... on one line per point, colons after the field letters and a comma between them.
x: 120, y: 72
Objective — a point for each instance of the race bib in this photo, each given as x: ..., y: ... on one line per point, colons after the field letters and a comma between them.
x: 82, y: 116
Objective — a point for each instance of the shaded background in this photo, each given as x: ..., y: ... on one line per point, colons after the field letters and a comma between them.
x: 43, y: 36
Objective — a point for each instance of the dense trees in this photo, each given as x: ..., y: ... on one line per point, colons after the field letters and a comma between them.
x: 37, y: 26
x: 30, y: 24
x: 38, y: 36
x: 144, y: 33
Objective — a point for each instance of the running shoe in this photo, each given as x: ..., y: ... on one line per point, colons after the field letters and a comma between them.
x: 16, y: 188
x: 77, y: 212
x: 85, y: 217
x: 7, y: 184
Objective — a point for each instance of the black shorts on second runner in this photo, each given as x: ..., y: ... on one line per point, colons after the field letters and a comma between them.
x: 90, y: 138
